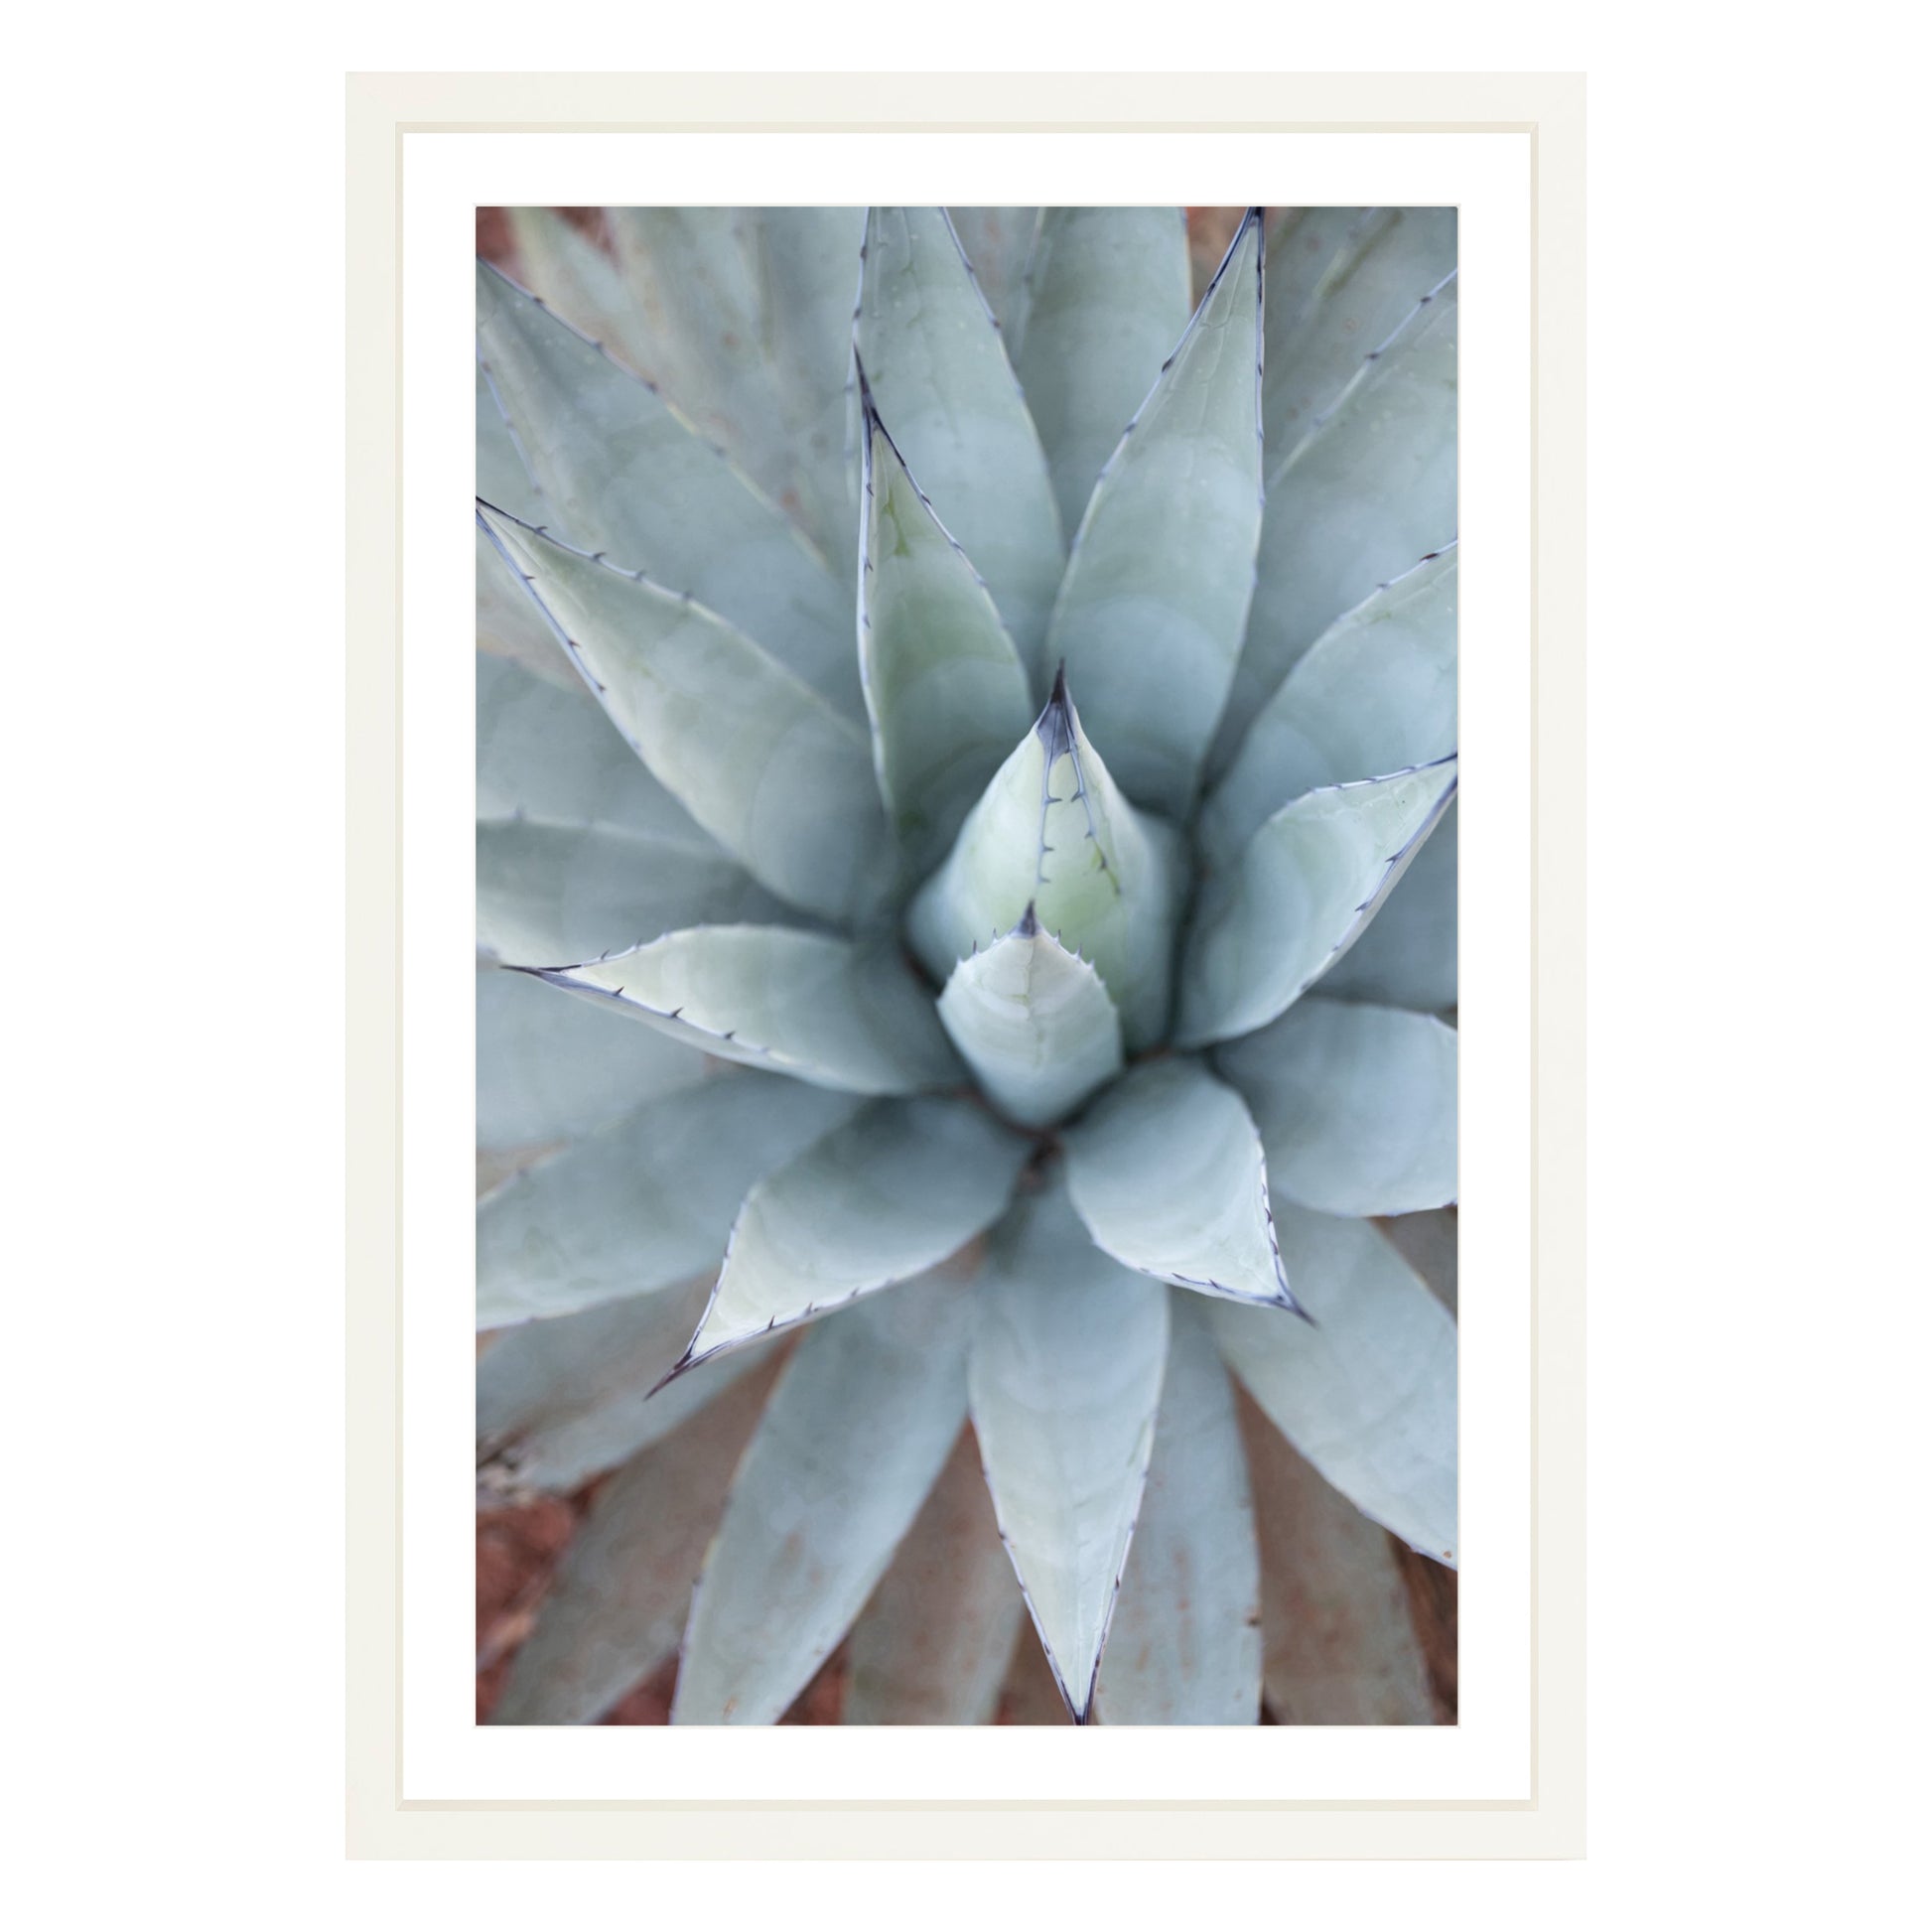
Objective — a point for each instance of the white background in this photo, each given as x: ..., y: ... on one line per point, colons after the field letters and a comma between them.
x: 446, y: 1755
x: 173, y: 736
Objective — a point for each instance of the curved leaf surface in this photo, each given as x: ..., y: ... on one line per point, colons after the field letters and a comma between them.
x: 1186, y: 1648
x: 624, y: 1589
x: 1305, y: 886
x: 933, y: 1644
x: 822, y: 1010
x: 641, y: 1205
x: 997, y: 243
x: 1053, y: 832
x: 1407, y: 958
x: 933, y: 355
x: 1068, y: 1353
x: 1340, y: 280
x: 550, y: 1069
x: 851, y: 1443
x: 567, y: 270
x: 1369, y: 489
x: 564, y: 1399
x: 548, y: 892
x: 1340, y: 1638
x: 1107, y: 297
x: 1034, y: 1023
x: 889, y: 1194
x: 1149, y: 616
x: 945, y: 689
x: 1357, y: 1106
x: 1167, y: 1172
x: 625, y: 476
x: 551, y: 753
x: 1375, y: 694
x: 771, y: 771
x: 1369, y: 1395
x: 1427, y: 1243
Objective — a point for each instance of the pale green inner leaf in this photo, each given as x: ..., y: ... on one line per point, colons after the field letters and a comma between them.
x: 1304, y: 888
x: 1166, y: 1172
x: 891, y: 1192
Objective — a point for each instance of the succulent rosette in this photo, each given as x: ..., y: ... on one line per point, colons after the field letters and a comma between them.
x: 967, y: 953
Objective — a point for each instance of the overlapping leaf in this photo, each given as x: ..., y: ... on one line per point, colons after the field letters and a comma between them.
x: 945, y: 689
x: 1356, y: 1105
x: 888, y: 1194
x: 1150, y: 618
x: 625, y: 477
x: 831, y: 1011
x: 1107, y: 297
x: 624, y: 1589
x: 1375, y: 694
x: 1368, y: 1395
x: 998, y: 242
x: 1034, y: 1023
x: 1185, y: 1648
x: 1052, y: 831
x: 932, y: 1646
x: 1407, y: 958
x: 1068, y: 1353
x: 1166, y: 1172
x: 1369, y: 488
x: 548, y: 1068
x: 643, y: 1204
x: 1304, y: 888
x: 771, y: 771
x: 1340, y: 281
x: 849, y: 1447
x: 1340, y: 1639
x: 564, y: 1399
x: 942, y: 381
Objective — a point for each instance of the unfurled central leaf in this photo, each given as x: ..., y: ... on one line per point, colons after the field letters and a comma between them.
x: 1053, y: 832
x: 1034, y: 1023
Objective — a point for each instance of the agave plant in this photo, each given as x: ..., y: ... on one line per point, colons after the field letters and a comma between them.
x: 940, y: 755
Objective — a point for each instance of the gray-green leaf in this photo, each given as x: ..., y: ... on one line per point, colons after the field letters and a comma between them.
x: 1369, y: 1395
x: 1376, y: 693
x: 1185, y: 1648
x: 1369, y: 487
x: 1304, y: 888
x: 1068, y: 1353
x: 1034, y: 1023
x: 1052, y: 831
x: 938, y: 367
x: 1407, y: 958
x: 1151, y: 614
x: 1338, y: 1639
x: 1340, y: 280
x: 1167, y: 1172
x: 643, y: 1204
x: 945, y: 689
x: 997, y: 243
x: 852, y: 1440
x: 547, y: 895
x: 624, y: 1589
x: 625, y: 476
x: 771, y: 771
x: 891, y: 1192
x: 1107, y: 296
x: 1357, y: 1106
x: 932, y: 1646
x: 548, y: 1068
x: 826, y: 1010
x: 564, y: 1399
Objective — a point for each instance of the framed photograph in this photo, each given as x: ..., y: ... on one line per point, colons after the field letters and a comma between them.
x: 996, y: 892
